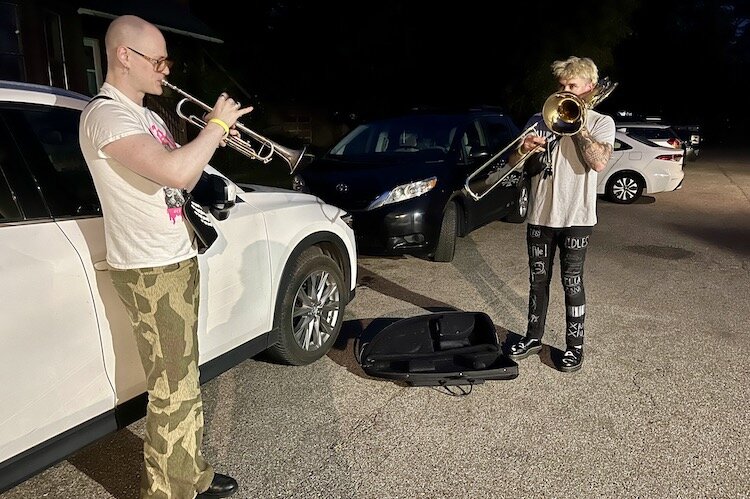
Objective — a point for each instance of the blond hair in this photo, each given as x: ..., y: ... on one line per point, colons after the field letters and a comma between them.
x: 576, y: 67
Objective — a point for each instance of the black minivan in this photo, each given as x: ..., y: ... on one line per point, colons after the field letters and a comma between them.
x: 403, y: 180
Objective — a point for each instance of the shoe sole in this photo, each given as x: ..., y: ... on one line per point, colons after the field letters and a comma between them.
x: 530, y: 351
x: 571, y: 369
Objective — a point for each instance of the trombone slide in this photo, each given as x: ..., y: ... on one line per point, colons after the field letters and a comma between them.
x: 501, y: 173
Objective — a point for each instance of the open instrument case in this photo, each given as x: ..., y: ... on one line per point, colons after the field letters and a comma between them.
x: 438, y: 349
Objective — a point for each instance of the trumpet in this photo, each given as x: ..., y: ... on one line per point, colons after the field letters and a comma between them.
x: 564, y: 113
x: 263, y: 151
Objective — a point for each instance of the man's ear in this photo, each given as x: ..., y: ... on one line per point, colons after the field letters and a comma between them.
x: 123, y: 56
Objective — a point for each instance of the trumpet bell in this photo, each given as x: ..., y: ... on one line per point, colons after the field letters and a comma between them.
x: 293, y: 157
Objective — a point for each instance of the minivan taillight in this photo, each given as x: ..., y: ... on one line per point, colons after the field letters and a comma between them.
x: 670, y: 157
x: 674, y: 142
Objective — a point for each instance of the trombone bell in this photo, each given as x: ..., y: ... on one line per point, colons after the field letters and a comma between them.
x: 564, y: 113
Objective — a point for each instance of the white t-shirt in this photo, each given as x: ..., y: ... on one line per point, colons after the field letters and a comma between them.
x: 567, y: 197
x: 143, y: 221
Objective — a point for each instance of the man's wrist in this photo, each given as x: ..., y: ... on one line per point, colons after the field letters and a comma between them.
x: 222, y: 124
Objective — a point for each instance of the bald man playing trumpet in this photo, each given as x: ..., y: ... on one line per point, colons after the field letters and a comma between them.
x: 141, y: 176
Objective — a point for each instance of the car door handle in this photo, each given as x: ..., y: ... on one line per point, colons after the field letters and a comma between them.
x: 101, y: 266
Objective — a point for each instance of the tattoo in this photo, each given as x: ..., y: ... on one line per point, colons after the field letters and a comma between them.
x: 594, y: 154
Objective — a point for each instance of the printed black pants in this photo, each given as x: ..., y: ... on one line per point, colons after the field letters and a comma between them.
x: 542, y: 243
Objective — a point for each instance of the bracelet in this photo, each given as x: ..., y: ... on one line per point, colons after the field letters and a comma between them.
x: 520, y: 150
x: 223, y: 125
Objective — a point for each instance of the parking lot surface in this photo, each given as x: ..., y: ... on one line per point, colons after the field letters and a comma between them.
x: 660, y: 408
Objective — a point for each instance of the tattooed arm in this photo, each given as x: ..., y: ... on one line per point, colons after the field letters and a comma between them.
x: 594, y: 154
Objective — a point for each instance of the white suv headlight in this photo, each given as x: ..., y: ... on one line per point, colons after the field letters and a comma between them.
x: 404, y: 192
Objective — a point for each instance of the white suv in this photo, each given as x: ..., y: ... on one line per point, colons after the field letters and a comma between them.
x: 278, y: 278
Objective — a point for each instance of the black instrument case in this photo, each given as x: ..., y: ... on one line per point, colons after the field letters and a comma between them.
x: 438, y: 349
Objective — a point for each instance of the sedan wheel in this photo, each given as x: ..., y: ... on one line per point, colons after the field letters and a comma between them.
x: 311, y: 311
x: 624, y: 188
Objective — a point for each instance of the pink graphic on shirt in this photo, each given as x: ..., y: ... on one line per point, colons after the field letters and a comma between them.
x: 163, y: 136
x: 174, y: 213
x: 175, y: 200
x: 172, y: 197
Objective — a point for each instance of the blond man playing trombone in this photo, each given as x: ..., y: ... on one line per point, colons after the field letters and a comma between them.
x: 563, y: 210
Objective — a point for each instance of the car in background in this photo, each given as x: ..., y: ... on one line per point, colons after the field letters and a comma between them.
x: 659, y: 134
x: 278, y: 278
x: 637, y: 166
x: 402, y: 180
x: 692, y: 137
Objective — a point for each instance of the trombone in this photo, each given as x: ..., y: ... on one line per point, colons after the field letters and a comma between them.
x: 263, y: 151
x: 564, y: 113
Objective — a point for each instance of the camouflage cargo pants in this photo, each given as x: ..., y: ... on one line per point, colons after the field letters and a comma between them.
x: 162, y: 303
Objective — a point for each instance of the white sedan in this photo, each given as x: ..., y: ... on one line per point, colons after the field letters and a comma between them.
x: 637, y: 166
x: 278, y: 278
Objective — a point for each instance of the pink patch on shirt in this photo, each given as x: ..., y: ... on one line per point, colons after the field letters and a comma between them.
x: 174, y: 213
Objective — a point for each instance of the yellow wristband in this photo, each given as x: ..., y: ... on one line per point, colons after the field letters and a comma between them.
x: 222, y: 125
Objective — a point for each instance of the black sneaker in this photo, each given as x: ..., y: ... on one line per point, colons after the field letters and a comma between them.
x: 525, y: 347
x: 572, y: 359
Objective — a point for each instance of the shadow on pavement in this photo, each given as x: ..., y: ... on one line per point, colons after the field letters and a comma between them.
x: 114, y: 462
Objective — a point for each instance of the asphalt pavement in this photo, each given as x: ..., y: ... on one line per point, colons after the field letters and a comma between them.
x: 660, y: 408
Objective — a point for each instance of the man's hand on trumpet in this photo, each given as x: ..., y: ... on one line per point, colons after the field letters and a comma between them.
x: 225, y: 114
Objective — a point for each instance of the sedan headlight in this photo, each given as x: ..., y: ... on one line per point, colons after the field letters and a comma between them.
x: 404, y: 192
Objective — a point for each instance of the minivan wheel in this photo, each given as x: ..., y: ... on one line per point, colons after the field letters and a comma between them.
x: 446, y: 245
x: 624, y: 188
x: 521, y: 206
x: 311, y: 312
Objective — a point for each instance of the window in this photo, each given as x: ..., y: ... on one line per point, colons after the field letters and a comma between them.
x: 93, y: 63
x: 9, y: 210
x: 56, y: 70
x: 48, y: 139
x: 19, y: 198
x: 473, y: 139
x: 428, y: 136
x: 621, y: 146
x: 499, y: 133
x: 11, y: 54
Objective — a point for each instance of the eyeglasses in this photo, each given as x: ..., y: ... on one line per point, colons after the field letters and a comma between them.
x: 159, y: 64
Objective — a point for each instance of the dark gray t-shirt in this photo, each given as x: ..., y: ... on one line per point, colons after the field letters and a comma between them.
x: 567, y: 198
